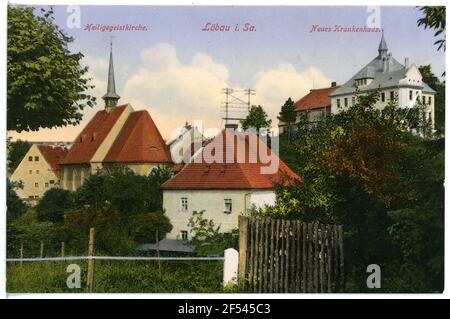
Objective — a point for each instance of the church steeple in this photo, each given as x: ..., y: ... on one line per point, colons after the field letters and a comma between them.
x: 382, y: 48
x: 111, y: 97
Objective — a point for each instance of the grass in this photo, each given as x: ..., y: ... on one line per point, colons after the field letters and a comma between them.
x: 118, y: 277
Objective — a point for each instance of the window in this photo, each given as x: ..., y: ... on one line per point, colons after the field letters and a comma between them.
x: 429, y: 100
x: 37, y: 171
x: 346, y: 102
x: 383, y: 97
x: 410, y: 95
x: 36, y: 185
x: 46, y: 185
x: 52, y: 181
x: 392, y: 95
x: 30, y: 158
x: 36, y: 158
x: 338, y: 102
x: 30, y: 172
x: 184, y: 204
x: 184, y: 235
x: 423, y: 99
x: 353, y: 100
x: 227, y: 206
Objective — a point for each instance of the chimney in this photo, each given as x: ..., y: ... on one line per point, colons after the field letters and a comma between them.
x: 406, y: 63
x: 333, y: 84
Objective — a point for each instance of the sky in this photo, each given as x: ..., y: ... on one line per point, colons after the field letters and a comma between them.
x: 176, y: 70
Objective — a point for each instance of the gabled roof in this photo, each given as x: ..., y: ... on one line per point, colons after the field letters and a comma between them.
x: 53, y: 155
x: 315, y: 99
x: 205, y: 173
x: 139, y: 141
x: 92, y: 136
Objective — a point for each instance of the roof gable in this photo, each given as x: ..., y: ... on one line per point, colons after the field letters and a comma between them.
x: 209, y: 169
x: 139, y: 141
x: 93, y: 135
x: 316, y: 98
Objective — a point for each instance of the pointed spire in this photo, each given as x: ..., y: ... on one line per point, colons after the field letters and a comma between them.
x: 382, y: 48
x: 111, y: 97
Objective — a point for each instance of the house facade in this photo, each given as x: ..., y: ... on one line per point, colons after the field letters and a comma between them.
x: 38, y: 171
x: 395, y: 81
x: 115, y: 136
x: 222, y: 189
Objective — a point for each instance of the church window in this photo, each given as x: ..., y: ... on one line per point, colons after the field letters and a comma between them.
x: 345, y: 102
x: 410, y: 95
x: 383, y: 97
x: 392, y: 95
x: 429, y: 100
x: 184, y: 235
x: 338, y: 102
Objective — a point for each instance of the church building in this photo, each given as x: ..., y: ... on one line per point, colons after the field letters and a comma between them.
x: 116, y: 135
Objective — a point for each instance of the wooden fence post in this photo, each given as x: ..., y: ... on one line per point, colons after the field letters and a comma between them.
x: 62, y: 249
x: 21, y: 254
x: 41, y: 252
x: 91, y: 265
x: 243, y: 231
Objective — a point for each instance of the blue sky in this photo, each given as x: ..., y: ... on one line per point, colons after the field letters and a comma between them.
x: 280, y: 59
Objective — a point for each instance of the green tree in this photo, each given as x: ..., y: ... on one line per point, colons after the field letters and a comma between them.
x: 439, y: 102
x: 16, y: 151
x: 364, y: 169
x: 288, y: 115
x: 149, y: 225
x: 54, y: 204
x: 434, y: 18
x: 257, y: 118
x: 46, y: 84
x: 15, y: 206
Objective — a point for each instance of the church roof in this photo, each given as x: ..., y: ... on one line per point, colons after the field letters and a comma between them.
x: 315, y: 99
x: 53, y: 155
x: 139, y: 141
x: 93, y: 135
x: 205, y: 173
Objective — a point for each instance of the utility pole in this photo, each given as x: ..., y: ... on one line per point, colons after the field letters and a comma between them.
x: 236, y: 102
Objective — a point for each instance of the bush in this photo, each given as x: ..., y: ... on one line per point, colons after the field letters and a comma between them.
x: 54, y: 204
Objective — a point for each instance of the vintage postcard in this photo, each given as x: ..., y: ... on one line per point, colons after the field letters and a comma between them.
x: 225, y: 149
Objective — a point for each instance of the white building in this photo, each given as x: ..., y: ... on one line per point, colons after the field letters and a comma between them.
x: 38, y: 171
x: 395, y: 81
x: 222, y: 190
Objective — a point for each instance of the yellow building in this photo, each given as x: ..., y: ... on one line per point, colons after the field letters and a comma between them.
x: 38, y: 171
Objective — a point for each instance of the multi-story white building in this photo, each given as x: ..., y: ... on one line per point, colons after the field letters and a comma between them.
x: 395, y: 81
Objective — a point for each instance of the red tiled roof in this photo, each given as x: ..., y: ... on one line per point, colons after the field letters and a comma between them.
x: 315, y: 99
x: 245, y: 175
x: 139, y: 141
x: 92, y: 136
x: 53, y: 155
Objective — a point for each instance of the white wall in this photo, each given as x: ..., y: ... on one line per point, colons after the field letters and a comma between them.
x: 212, y: 202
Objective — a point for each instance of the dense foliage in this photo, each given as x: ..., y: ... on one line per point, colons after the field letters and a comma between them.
x: 15, y: 152
x: 124, y: 208
x: 47, y: 86
x: 364, y: 169
x: 256, y: 119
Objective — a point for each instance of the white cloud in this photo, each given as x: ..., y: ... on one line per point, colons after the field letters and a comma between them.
x: 174, y: 92
x: 274, y: 87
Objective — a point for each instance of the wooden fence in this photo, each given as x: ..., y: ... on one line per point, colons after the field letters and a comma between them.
x: 290, y: 256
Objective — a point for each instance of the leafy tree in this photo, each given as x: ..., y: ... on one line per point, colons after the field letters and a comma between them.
x: 15, y: 206
x: 434, y: 18
x: 288, y: 115
x: 439, y: 102
x: 54, y: 204
x: 149, y: 225
x: 364, y: 169
x: 16, y: 151
x: 207, y: 238
x: 257, y: 118
x: 46, y: 83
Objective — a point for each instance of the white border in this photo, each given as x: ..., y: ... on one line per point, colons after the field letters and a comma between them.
x: 225, y: 296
